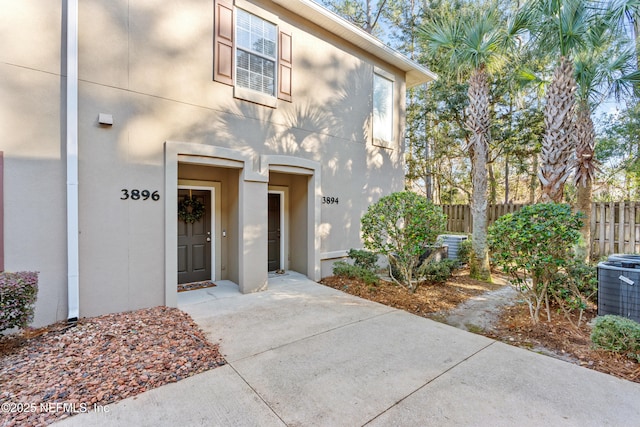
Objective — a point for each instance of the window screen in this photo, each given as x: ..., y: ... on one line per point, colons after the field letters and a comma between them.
x: 255, y: 53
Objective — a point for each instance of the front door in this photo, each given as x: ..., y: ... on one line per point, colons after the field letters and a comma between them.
x: 194, y: 238
x: 273, y: 232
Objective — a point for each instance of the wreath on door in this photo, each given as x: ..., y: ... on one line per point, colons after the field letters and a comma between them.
x: 191, y: 210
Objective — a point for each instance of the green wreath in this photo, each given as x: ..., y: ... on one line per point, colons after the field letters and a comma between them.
x: 190, y: 210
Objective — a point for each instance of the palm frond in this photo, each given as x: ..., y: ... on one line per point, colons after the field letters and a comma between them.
x: 604, y: 70
x: 525, y: 77
x: 616, y: 12
x: 559, y: 25
x: 630, y: 85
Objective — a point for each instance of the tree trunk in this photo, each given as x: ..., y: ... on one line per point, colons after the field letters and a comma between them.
x: 584, y: 205
x: 585, y: 170
x: 506, y: 179
x: 428, y: 183
x: 533, y: 182
x: 558, y: 140
x: 493, y: 185
x: 478, y: 124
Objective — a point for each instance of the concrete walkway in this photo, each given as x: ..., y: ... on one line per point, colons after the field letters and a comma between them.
x: 481, y: 311
x: 301, y: 354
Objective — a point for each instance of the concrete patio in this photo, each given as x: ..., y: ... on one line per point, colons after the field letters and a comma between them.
x: 302, y: 354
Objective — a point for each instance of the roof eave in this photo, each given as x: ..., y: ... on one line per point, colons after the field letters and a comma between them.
x: 416, y: 74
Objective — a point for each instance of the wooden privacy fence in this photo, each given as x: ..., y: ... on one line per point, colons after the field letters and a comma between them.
x: 459, y: 219
x: 615, y: 226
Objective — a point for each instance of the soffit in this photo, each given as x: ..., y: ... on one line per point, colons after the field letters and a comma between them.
x: 415, y: 73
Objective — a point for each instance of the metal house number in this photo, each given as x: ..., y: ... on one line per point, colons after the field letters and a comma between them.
x: 330, y: 200
x: 135, y: 194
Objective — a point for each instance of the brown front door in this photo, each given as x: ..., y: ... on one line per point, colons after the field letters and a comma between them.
x: 273, y: 236
x: 194, y: 241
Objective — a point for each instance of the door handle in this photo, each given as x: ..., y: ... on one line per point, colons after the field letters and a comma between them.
x: 208, y: 239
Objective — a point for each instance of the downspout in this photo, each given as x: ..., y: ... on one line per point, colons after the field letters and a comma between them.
x: 73, y: 294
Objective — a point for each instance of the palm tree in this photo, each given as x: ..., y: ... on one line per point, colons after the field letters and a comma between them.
x: 558, y: 26
x: 607, y: 66
x: 474, y: 45
x: 624, y: 17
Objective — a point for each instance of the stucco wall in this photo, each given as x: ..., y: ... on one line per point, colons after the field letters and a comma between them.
x: 31, y: 137
x: 149, y: 64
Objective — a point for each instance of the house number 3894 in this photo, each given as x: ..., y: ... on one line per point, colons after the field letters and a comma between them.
x: 330, y: 200
x: 135, y: 194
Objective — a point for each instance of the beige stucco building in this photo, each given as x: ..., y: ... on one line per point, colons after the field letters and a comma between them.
x: 280, y: 119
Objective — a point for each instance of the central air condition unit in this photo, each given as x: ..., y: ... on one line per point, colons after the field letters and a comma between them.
x: 619, y: 286
x: 452, y: 241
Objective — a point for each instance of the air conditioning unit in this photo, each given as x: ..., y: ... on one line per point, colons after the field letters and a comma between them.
x: 619, y: 286
x: 452, y: 241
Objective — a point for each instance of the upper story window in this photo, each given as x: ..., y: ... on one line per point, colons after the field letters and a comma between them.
x: 382, y: 110
x: 251, y: 53
x: 255, y: 53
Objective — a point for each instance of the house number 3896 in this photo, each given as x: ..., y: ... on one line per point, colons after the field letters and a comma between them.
x: 135, y: 194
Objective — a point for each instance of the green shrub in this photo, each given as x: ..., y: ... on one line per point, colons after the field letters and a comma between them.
x: 344, y: 269
x: 617, y: 334
x: 585, y: 277
x: 464, y: 251
x: 364, y: 259
x: 400, y: 226
x: 418, y: 269
x: 18, y: 292
x: 438, y: 272
x: 532, y: 245
x: 574, y: 286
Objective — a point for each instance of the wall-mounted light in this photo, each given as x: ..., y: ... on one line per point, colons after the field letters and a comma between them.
x: 105, y: 119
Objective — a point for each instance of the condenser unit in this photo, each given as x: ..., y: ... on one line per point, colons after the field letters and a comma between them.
x: 452, y: 241
x: 619, y: 286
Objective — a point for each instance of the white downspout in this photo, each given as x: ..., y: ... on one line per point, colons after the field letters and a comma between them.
x: 73, y: 295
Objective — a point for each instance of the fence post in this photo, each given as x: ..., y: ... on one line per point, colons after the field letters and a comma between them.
x: 612, y: 227
x: 621, y: 227
x: 603, y: 226
x: 632, y: 227
x: 592, y: 234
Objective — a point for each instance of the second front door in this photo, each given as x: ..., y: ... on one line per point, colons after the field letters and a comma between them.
x: 274, y: 232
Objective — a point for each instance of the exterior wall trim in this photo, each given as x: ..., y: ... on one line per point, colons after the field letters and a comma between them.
x: 334, y: 254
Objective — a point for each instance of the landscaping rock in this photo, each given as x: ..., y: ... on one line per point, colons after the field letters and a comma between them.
x: 58, y: 371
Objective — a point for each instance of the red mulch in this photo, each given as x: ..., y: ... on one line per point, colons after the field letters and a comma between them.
x: 51, y: 373
x: 562, y: 339
x: 428, y: 298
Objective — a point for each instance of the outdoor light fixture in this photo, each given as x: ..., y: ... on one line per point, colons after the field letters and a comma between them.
x: 105, y: 119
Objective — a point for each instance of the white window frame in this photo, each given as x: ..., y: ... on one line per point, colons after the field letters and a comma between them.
x: 244, y: 92
x: 383, y: 127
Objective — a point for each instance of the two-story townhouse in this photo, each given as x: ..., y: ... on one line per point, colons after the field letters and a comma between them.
x: 145, y: 143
